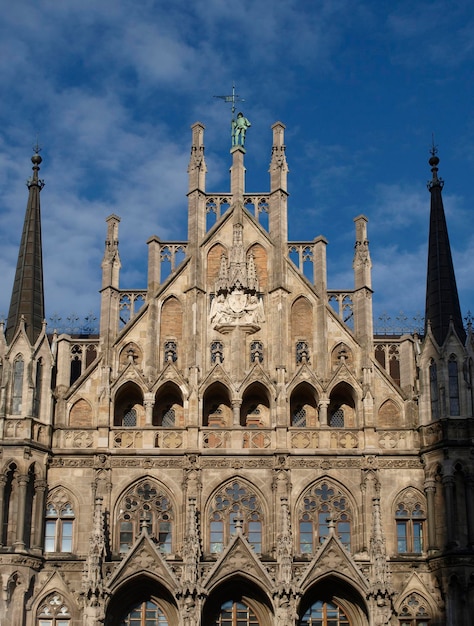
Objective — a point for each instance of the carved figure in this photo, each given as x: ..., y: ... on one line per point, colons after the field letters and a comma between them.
x: 239, y: 128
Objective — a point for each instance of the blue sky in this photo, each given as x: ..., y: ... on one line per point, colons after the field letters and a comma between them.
x: 112, y: 88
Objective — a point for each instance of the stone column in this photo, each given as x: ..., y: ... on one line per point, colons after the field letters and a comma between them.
x: 22, y: 482
x: 470, y: 509
x: 148, y: 403
x: 38, y: 513
x: 323, y: 412
x: 430, y: 491
x: 3, y: 482
x: 448, y: 486
x: 236, y: 412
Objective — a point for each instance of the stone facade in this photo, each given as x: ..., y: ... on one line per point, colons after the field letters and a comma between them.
x: 231, y: 449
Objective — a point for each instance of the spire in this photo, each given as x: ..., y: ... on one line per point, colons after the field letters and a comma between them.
x: 442, y: 302
x: 27, y: 301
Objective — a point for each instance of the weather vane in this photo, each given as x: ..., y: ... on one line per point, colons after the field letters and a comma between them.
x: 240, y: 123
x: 36, y: 147
x: 233, y: 98
x: 434, y: 148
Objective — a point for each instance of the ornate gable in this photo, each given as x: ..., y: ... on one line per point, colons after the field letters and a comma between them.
x: 332, y: 558
x: 144, y: 558
x: 238, y: 558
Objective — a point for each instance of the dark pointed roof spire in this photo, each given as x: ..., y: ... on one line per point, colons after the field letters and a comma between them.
x: 27, y: 301
x: 442, y: 301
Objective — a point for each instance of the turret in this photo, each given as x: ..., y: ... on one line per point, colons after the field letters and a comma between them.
x: 362, y: 265
x: 278, y: 202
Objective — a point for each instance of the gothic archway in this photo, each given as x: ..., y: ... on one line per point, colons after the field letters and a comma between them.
x: 142, y: 601
x: 237, y: 602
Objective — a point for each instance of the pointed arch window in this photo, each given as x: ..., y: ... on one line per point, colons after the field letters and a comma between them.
x: 59, y: 527
x: 147, y: 613
x: 302, y: 352
x: 321, y: 504
x: 235, y: 506
x: 147, y: 504
x: 414, y: 611
x: 235, y: 614
x: 217, y: 352
x: 17, y: 391
x: 410, y: 519
x: 256, y: 352
x: 38, y: 388
x: 171, y: 351
x: 54, y: 612
x: 324, y: 614
x: 434, y: 398
x: 453, y: 379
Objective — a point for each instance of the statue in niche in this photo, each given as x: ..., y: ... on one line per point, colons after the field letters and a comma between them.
x: 237, y: 301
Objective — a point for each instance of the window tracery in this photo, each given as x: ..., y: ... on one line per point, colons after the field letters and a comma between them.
x: 59, y: 527
x: 38, y: 388
x: 217, y: 352
x: 54, y: 611
x: 145, y: 503
x: 453, y: 380
x: 322, y: 504
x: 434, y: 391
x: 235, y: 614
x: 414, y: 611
x: 410, y: 520
x: 256, y: 352
x: 171, y: 351
x: 17, y: 391
x: 302, y: 352
x: 235, y: 507
x: 324, y: 614
x: 147, y: 613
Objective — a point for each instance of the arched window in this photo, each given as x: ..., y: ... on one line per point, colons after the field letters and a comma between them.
x: 145, y: 503
x: 256, y: 352
x: 304, y: 406
x: 454, y: 408
x: 235, y: 506
x: 17, y: 391
x: 414, y: 612
x: 410, y: 519
x: 235, y: 614
x: 128, y: 407
x: 59, y: 527
x: 324, y: 614
x: 217, y: 352
x: 322, y: 504
x: 434, y: 391
x: 38, y: 386
x: 341, y: 409
x: 302, y: 352
x: 76, y: 363
x: 146, y: 613
x: 54, y: 612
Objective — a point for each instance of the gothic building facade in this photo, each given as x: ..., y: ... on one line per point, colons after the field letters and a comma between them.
x: 235, y: 446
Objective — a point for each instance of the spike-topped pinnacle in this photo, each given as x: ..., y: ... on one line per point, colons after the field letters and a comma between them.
x: 27, y: 301
x: 434, y: 162
x: 442, y: 302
